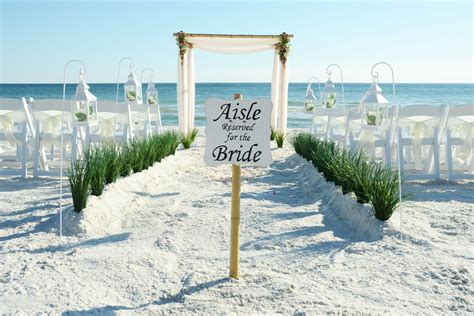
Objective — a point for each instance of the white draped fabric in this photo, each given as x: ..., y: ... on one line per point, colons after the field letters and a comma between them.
x: 283, y: 98
x: 418, y: 128
x: 275, y: 90
x: 191, y: 88
x: 232, y: 45
x: 7, y: 126
x: 463, y: 127
x: 229, y: 45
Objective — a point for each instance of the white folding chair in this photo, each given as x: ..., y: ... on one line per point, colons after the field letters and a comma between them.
x: 330, y: 124
x: 140, y: 120
x: 460, y: 142
x: 110, y: 113
x: 420, y: 128
x: 14, y: 134
x: 338, y: 129
x: 47, y: 117
x: 371, y: 138
x: 155, y: 117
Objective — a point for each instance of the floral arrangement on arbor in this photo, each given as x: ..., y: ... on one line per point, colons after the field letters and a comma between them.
x: 283, y: 47
x: 182, y: 44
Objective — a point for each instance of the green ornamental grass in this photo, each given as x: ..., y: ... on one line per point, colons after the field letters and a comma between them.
x: 104, y: 164
x: 194, y: 134
x: 136, y: 155
x: 111, y: 156
x: 371, y: 182
x: 125, y: 161
x: 362, y: 172
x: 188, y: 139
x: 95, y: 164
x: 383, y: 192
x: 273, y: 134
x: 79, y: 182
x: 280, y: 139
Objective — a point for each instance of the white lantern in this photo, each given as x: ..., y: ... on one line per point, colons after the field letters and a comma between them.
x: 151, y: 94
x: 133, y: 90
x: 374, y: 106
x: 83, y: 104
x: 310, y: 100
x: 329, y: 95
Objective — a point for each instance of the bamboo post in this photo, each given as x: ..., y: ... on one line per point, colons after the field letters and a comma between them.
x: 235, y: 218
x: 202, y: 35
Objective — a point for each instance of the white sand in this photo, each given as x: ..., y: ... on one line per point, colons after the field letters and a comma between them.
x: 157, y: 242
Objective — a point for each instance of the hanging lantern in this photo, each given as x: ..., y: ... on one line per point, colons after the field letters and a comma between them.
x: 151, y: 94
x: 310, y: 100
x: 329, y: 95
x: 374, y: 106
x: 84, y: 104
x: 133, y: 90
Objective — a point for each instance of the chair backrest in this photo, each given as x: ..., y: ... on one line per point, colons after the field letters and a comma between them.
x: 425, y: 114
x: 14, y: 110
x: 461, y: 110
x: 421, y: 110
x: 107, y: 106
x: 50, y: 105
x: 11, y: 105
x: 459, y: 117
x: 331, y: 112
x: 434, y: 116
x: 48, y: 113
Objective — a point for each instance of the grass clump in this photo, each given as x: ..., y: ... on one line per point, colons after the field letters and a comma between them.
x: 106, y: 163
x: 125, y: 161
x: 143, y: 153
x: 79, y: 181
x: 188, y: 139
x: 97, y: 169
x: 280, y: 139
x: 273, y: 134
x: 383, y: 192
x: 111, y: 158
x: 370, y: 182
x: 166, y: 144
x: 138, y: 149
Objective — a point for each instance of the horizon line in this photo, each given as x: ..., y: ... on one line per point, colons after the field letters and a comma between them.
x: 235, y: 82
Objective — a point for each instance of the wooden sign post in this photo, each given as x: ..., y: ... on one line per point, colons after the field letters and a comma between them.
x: 235, y: 218
x: 237, y: 133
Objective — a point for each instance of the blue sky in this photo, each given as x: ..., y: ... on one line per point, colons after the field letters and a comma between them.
x: 425, y: 41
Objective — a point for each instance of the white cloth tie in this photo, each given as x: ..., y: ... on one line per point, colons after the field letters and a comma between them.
x: 8, y: 124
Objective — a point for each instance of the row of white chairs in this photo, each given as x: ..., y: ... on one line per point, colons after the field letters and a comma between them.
x: 31, y: 132
x: 415, y: 135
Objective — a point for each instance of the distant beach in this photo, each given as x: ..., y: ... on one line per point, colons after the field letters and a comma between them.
x: 406, y: 93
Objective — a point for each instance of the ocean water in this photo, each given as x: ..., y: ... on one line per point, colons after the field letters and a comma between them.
x: 406, y: 94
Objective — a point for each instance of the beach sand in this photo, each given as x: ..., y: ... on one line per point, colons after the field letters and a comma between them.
x: 158, y: 242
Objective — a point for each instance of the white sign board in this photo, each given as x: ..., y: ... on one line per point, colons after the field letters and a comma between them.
x: 238, y: 132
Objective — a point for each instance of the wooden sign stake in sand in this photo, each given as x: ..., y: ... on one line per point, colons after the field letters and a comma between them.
x: 235, y: 218
x: 237, y: 133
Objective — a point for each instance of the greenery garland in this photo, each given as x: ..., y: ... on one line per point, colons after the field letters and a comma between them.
x: 183, y: 44
x: 283, y: 47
